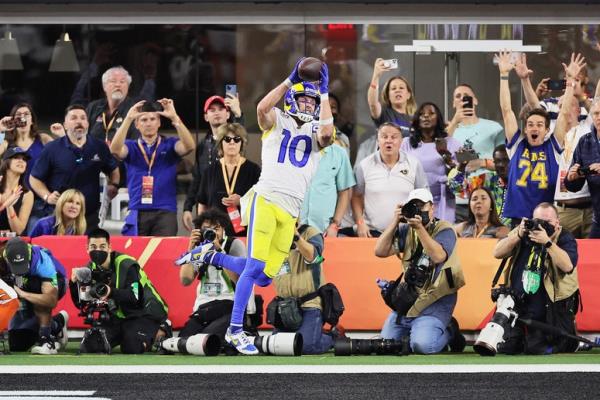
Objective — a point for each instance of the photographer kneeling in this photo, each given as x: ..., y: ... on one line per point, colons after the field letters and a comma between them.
x: 543, y: 281
x: 215, y: 290
x: 114, y: 287
x: 423, y: 301
x: 301, y: 275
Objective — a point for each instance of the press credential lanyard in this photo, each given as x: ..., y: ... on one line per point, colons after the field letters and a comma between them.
x: 230, y: 183
x: 107, y: 127
x: 148, y: 180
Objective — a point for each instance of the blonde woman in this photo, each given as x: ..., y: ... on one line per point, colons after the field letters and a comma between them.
x: 396, y: 103
x: 68, y: 218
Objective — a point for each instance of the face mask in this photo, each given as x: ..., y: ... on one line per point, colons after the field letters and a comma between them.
x: 98, y: 256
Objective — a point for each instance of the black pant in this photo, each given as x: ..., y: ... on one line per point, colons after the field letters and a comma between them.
x: 157, y: 223
x: 135, y: 335
x: 217, y: 327
x: 212, y: 317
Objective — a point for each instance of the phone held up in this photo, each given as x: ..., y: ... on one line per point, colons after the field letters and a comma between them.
x: 230, y: 90
x: 392, y: 63
x: 556, y: 84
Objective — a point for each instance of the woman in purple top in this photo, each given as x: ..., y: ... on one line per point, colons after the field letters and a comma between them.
x: 68, y: 217
x: 430, y: 143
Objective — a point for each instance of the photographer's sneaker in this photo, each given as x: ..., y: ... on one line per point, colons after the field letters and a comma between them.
x: 63, y: 320
x: 241, y: 342
x: 47, y: 346
x: 201, y: 254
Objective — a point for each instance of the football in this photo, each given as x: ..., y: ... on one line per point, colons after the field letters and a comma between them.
x: 310, y: 69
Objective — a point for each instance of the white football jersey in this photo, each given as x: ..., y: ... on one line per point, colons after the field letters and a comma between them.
x: 290, y: 156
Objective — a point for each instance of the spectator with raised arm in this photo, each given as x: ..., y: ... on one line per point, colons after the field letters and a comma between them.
x: 551, y: 104
x: 574, y: 208
x: 479, y: 134
x: 534, y: 155
x: 151, y: 165
x: 396, y: 103
x: 217, y: 111
x: 24, y: 133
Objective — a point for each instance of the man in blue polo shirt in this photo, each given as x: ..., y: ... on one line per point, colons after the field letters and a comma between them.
x: 74, y: 162
x: 151, y: 164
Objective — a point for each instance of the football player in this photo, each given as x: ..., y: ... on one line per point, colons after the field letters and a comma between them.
x: 292, y: 141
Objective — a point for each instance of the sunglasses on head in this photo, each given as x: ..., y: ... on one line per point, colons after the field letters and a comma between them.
x: 236, y: 139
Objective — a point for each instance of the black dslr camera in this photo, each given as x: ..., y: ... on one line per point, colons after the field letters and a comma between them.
x: 411, y: 210
x: 536, y: 223
x: 586, y: 171
x: 209, y: 234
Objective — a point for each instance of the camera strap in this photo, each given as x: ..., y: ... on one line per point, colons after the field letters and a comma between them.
x: 501, y: 268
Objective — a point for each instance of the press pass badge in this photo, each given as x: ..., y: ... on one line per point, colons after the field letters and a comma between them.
x: 563, y: 175
x: 531, y: 281
x: 236, y: 218
x: 147, y: 187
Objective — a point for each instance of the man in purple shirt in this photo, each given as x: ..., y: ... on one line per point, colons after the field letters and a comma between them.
x: 151, y: 164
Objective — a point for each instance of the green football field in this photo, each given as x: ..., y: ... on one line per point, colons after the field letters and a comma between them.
x: 70, y: 357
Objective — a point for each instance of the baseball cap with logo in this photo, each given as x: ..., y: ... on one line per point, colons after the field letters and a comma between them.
x: 213, y: 99
x: 17, y: 255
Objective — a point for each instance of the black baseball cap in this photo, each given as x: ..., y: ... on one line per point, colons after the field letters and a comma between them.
x: 17, y: 256
x: 15, y: 151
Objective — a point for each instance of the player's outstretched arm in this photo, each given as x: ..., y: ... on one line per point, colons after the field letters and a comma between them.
x: 325, y: 133
x: 264, y: 111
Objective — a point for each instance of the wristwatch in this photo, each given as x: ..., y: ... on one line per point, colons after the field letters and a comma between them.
x: 548, y: 244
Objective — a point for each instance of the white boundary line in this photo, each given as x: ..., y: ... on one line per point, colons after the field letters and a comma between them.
x: 300, y: 369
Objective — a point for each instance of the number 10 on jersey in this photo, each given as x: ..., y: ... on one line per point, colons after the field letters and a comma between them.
x: 289, y: 146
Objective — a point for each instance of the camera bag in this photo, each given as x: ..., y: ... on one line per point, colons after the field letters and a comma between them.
x: 284, y: 313
x: 331, y: 302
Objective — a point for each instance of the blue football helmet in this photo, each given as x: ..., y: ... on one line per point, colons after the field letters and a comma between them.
x: 290, y: 104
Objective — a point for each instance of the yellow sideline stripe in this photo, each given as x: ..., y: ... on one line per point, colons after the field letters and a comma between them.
x: 148, y: 251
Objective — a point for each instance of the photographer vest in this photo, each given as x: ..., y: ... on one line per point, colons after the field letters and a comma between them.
x: 448, y: 280
x: 154, y: 306
x: 297, y: 278
x: 559, y: 285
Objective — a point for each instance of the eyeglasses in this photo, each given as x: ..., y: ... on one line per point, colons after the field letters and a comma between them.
x: 236, y: 139
x: 24, y: 115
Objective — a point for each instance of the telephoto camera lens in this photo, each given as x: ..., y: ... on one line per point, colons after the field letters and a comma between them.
x: 348, y: 347
x: 209, y: 234
x: 200, y: 344
x: 280, y: 344
x: 99, y: 290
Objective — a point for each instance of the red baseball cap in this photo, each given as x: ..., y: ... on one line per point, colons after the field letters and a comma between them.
x: 213, y: 99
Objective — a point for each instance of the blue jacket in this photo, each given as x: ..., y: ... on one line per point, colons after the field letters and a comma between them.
x: 587, y: 152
